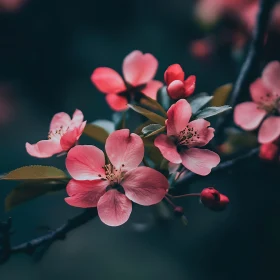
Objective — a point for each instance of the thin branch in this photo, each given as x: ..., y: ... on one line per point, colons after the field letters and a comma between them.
x: 250, y: 68
x: 226, y: 165
x: 58, y: 234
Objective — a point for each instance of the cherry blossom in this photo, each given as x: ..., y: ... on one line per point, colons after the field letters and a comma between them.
x: 265, y: 92
x: 182, y: 143
x: 177, y: 87
x: 111, y: 187
x: 213, y: 200
x: 138, y: 69
x: 63, y: 135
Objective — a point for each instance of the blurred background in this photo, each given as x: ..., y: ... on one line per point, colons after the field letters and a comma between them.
x: 48, y: 50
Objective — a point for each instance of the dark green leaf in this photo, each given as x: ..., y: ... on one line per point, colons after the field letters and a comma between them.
x: 148, y: 114
x: 152, y: 104
x: 211, y: 111
x: 96, y: 132
x: 30, y: 190
x: 35, y: 172
x: 151, y: 128
x: 199, y: 102
x: 220, y: 95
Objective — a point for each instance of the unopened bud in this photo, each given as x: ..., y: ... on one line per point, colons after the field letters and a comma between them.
x: 213, y: 200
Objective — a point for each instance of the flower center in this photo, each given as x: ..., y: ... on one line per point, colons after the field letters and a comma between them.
x: 187, y: 136
x: 58, y: 132
x: 268, y: 104
x: 113, y: 175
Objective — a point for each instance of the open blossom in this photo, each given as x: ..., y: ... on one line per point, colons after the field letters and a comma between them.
x: 63, y: 135
x: 177, y: 86
x: 265, y: 92
x: 182, y: 143
x: 111, y: 187
x: 138, y: 69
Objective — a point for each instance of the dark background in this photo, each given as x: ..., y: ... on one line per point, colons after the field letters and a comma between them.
x: 48, y: 50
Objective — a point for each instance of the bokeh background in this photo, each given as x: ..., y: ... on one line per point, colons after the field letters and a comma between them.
x: 48, y: 50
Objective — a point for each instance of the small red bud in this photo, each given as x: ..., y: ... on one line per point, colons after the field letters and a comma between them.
x: 172, y: 73
x: 213, y: 200
x: 268, y: 151
x: 176, y: 90
x: 190, y: 85
x: 179, y: 211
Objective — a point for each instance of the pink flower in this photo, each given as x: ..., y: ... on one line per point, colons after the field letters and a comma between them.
x: 111, y: 187
x: 138, y: 69
x: 63, y: 135
x: 176, y: 86
x: 265, y: 92
x: 178, y: 146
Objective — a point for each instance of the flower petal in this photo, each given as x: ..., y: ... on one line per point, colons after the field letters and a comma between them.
x: 167, y: 148
x: 248, y: 116
x: 85, y: 162
x: 107, y: 80
x: 203, y: 135
x: 200, y: 161
x: 178, y: 115
x: 172, y: 73
x: 85, y: 194
x: 269, y: 130
x: 176, y: 90
x: 189, y: 84
x: 124, y: 150
x: 152, y: 88
x: 270, y: 76
x: 139, y: 68
x: 116, y: 102
x: 268, y: 151
x: 77, y: 118
x: 145, y: 185
x: 44, y: 148
x: 114, y: 208
x: 60, y: 119
x: 259, y: 92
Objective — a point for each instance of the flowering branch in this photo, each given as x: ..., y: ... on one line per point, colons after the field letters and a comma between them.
x: 250, y: 67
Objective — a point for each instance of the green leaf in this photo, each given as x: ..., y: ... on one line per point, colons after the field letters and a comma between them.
x: 199, y: 102
x: 155, y: 132
x: 151, y: 128
x: 30, y: 190
x: 148, y: 114
x: 107, y: 125
x: 163, y: 98
x: 221, y: 95
x: 152, y: 104
x: 211, y: 111
x: 96, y: 132
x: 35, y: 172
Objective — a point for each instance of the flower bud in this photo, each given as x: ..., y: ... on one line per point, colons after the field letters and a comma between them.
x: 268, y: 151
x: 176, y: 90
x: 189, y: 85
x: 213, y: 200
x: 179, y: 211
x: 172, y: 73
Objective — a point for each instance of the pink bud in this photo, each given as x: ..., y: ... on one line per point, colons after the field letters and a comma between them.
x: 213, y: 200
x: 268, y: 151
x: 176, y: 90
x: 172, y: 73
x: 190, y: 85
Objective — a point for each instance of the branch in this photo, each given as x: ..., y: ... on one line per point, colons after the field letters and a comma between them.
x: 58, y: 234
x: 226, y: 165
x: 250, y: 68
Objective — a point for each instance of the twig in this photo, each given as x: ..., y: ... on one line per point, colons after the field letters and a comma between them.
x: 190, y: 177
x: 58, y: 234
x: 250, y: 67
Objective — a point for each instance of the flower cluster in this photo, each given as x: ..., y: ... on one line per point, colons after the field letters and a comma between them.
x: 124, y: 174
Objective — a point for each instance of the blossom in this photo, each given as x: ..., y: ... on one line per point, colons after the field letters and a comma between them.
x: 177, y: 87
x: 213, y: 200
x: 138, y: 69
x: 63, y: 135
x: 111, y: 187
x: 184, y: 139
x: 265, y: 92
